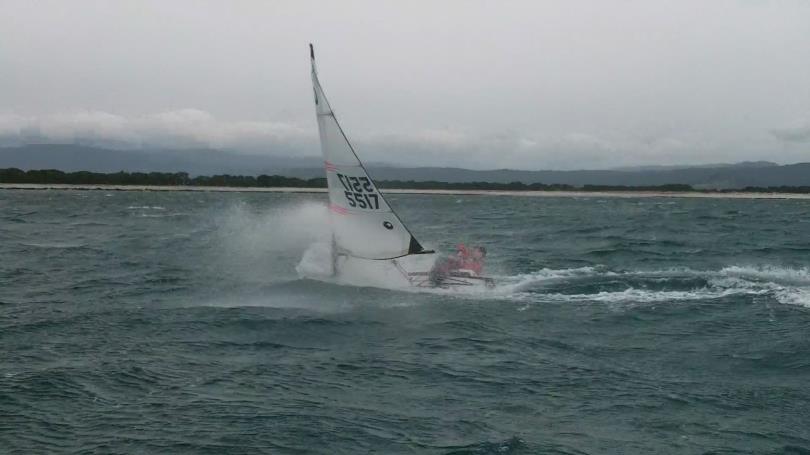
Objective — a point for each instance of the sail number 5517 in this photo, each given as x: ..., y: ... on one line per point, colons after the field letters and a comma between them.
x: 359, y: 192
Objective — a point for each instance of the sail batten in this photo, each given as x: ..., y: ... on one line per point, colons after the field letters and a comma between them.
x: 363, y: 224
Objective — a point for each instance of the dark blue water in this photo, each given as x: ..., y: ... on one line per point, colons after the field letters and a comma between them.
x: 175, y: 323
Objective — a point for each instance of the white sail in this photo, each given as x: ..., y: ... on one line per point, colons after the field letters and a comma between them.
x: 363, y: 224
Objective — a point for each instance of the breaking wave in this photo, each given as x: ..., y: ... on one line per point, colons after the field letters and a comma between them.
x: 627, y: 288
x: 290, y: 242
x: 595, y: 284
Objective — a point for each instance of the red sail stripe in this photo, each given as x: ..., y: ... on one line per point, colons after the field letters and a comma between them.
x: 338, y: 209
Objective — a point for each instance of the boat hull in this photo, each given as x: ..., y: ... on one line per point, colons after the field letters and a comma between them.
x: 406, y: 273
x: 452, y: 280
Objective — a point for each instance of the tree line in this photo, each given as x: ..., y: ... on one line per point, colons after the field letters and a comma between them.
x: 50, y: 176
x: 53, y: 176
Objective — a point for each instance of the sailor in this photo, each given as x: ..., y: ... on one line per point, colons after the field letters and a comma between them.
x: 471, y: 259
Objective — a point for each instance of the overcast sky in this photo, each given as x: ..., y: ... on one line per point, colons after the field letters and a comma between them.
x: 478, y: 84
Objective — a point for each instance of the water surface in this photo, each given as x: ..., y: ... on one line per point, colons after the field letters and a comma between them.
x: 144, y: 322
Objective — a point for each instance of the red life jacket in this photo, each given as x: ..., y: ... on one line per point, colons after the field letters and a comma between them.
x: 475, y: 266
x: 466, y: 261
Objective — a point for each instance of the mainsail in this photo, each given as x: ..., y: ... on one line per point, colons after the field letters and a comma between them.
x: 363, y: 224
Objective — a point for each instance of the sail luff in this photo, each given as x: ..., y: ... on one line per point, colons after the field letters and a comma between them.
x: 362, y: 199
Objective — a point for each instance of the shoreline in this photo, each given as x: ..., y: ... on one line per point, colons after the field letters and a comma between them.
x: 221, y: 189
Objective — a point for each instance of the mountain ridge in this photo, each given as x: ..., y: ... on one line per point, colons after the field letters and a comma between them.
x: 70, y: 157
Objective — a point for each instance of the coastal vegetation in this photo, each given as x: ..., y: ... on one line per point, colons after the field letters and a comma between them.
x: 53, y: 176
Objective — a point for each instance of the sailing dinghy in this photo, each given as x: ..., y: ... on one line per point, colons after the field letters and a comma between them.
x: 366, y: 232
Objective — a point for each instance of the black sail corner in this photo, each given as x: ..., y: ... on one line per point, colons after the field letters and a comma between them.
x: 416, y: 248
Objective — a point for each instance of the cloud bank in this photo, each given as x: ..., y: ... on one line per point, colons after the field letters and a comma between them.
x: 521, y: 84
x: 449, y: 146
x: 184, y: 128
x: 798, y: 133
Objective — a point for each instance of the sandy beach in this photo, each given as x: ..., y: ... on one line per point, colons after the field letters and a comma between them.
x: 618, y: 194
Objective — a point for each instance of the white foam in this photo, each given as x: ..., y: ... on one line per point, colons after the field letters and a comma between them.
x: 800, y: 297
x: 638, y: 296
x: 786, y: 285
x: 316, y: 263
x: 518, y: 283
x: 771, y: 273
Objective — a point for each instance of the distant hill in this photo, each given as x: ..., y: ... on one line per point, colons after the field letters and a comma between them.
x: 658, y: 167
x: 210, y: 162
x: 68, y: 157
x: 728, y: 177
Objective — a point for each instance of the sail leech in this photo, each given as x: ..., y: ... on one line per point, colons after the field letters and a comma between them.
x: 363, y: 224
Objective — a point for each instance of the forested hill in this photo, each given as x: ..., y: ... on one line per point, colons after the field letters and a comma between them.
x: 214, y: 162
x: 51, y: 176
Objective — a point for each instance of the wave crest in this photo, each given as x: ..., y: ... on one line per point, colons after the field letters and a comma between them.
x: 597, y: 284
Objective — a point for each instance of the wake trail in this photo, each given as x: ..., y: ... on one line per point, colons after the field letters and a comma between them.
x: 595, y: 284
x: 281, y: 246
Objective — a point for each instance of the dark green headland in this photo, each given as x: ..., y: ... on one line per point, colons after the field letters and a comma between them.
x: 53, y: 176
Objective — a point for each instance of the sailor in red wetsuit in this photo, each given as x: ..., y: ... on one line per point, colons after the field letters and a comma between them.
x: 471, y: 259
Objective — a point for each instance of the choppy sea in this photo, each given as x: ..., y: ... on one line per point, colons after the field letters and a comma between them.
x: 152, y: 322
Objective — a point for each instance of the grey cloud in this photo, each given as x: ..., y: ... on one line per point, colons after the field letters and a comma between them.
x: 184, y: 128
x: 521, y: 84
x: 514, y: 150
x: 793, y: 134
x: 449, y: 146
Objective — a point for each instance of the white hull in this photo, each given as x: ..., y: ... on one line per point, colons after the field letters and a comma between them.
x: 405, y: 273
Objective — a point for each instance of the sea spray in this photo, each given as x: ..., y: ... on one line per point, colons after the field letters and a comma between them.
x: 264, y: 246
x: 316, y: 262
